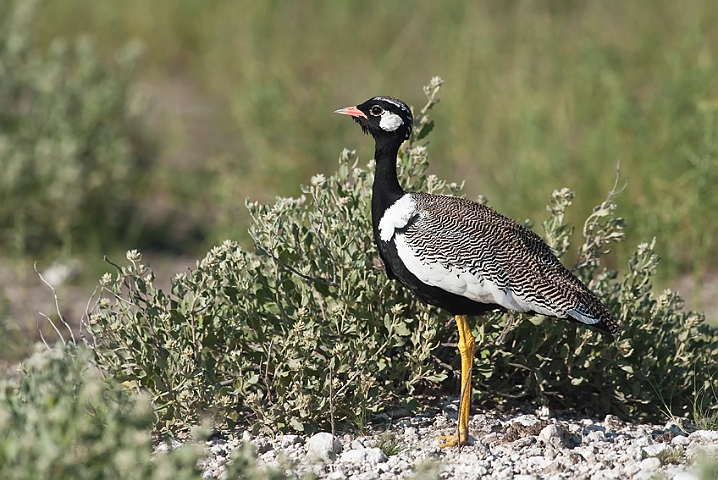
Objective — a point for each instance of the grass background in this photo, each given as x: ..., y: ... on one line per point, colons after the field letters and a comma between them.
x: 538, y: 96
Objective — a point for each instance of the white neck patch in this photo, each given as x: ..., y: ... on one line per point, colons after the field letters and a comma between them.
x: 390, y: 121
x: 396, y: 216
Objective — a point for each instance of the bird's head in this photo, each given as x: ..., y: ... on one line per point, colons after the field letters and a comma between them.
x: 385, y: 118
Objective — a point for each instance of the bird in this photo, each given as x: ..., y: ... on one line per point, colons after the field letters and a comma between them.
x: 462, y: 256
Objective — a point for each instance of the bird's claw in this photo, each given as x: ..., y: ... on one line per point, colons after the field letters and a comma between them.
x: 452, y: 440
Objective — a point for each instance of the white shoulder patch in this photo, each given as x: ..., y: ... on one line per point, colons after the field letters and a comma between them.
x: 396, y: 216
x: 390, y: 121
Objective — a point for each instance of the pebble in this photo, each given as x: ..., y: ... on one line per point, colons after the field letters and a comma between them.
x: 536, y: 447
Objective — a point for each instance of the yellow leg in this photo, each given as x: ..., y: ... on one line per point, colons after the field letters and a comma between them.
x: 466, y: 349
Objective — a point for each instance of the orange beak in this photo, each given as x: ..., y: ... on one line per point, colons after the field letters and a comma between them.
x: 352, y: 111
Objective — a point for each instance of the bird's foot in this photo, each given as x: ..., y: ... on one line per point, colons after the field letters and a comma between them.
x: 452, y: 440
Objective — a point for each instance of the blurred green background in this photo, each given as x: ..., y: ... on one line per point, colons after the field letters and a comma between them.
x: 234, y: 99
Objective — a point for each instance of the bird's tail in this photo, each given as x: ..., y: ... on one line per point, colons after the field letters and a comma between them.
x: 592, y: 312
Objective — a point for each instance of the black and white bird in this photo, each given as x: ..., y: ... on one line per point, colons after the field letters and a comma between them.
x: 463, y: 256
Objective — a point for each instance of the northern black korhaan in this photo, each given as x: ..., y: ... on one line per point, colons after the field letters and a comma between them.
x: 462, y: 256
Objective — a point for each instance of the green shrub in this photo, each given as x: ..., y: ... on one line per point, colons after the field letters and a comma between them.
x: 656, y: 365
x: 306, y: 326
x: 308, y: 331
x: 62, y: 420
x: 71, y: 151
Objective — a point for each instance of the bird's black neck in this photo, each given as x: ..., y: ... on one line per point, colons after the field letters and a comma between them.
x: 386, y: 188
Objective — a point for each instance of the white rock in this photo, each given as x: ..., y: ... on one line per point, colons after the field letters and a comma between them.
x: 631, y: 469
x: 369, y: 442
x: 595, y: 436
x: 506, y: 473
x: 367, y: 476
x: 467, y: 457
x: 704, y: 436
x: 337, y: 475
x: 557, y: 476
x: 480, y: 471
x: 538, y: 463
x: 552, y: 435
x: 525, y: 420
x: 650, y: 464
x: 681, y: 440
x: 525, y: 477
x: 323, y: 446
x: 364, y: 455
x: 524, y: 442
x: 655, y: 449
x: 375, y: 455
x: 262, y: 444
x: 289, y: 440
x: 353, y: 456
x: 634, y: 452
x: 642, y: 441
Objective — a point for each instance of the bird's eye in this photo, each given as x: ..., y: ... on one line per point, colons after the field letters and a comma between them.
x: 376, y: 110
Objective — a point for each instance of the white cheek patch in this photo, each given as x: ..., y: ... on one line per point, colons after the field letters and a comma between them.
x: 390, y: 121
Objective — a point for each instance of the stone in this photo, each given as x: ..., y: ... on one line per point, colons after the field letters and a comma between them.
x: 650, y: 464
x: 410, y: 432
x: 655, y: 449
x: 704, y: 436
x: 289, y: 440
x: 526, y: 420
x: 631, y: 469
x: 375, y: 455
x: 596, y: 436
x: 557, y: 476
x: 364, y: 455
x: 337, y: 475
x: 263, y: 445
x: 538, y: 463
x: 681, y: 440
x: 321, y: 445
x: 555, y: 436
x: 353, y: 456
x: 371, y: 475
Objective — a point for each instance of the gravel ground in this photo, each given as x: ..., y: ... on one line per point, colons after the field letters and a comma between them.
x: 517, y: 446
